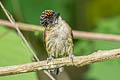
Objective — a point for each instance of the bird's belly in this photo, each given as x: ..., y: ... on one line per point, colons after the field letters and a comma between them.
x: 58, y: 48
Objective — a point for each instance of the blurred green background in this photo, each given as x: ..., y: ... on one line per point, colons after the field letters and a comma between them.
x: 101, y: 16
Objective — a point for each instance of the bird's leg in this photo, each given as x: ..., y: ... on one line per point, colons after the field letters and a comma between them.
x: 49, y: 58
x: 53, y: 71
x: 71, y: 56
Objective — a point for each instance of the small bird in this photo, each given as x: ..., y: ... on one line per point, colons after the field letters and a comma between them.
x: 58, y: 36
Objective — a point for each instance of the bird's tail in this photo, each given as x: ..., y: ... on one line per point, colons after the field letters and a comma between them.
x: 56, y: 71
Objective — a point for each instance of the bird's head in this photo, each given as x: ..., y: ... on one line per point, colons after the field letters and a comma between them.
x: 49, y: 17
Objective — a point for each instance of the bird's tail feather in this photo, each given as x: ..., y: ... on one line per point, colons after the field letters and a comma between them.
x: 56, y: 71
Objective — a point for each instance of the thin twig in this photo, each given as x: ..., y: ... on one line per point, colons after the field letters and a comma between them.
x: 17, y: 28
x: 98, y: 36
x: 77, y: 34
x: 11, y: 19
x: 78, y: 61
x: 22, y: 26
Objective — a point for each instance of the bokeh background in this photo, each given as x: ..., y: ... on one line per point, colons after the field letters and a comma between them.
x: 101, y: 16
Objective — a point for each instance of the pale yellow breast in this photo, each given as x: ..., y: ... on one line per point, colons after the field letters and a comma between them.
x: 58, y: 41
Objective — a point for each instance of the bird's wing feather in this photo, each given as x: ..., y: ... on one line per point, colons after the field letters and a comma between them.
x: 72, y: 34
x: 44, y: 37
x: 69, y: 29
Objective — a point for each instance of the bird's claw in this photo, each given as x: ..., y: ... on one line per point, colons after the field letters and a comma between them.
x: 49, y: 58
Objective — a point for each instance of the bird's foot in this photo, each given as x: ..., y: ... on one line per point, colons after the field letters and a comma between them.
x: 71, y: 56
x: 49, y: 58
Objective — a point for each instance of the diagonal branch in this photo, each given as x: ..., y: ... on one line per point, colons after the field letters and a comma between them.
x: 77, y: 34
x: 12, y: 21
x: 61, y: 62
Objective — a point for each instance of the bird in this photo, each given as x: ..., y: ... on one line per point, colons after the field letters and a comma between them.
x: 58, y: 37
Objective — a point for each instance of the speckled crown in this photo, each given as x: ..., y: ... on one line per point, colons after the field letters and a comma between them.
x: 47, y: 17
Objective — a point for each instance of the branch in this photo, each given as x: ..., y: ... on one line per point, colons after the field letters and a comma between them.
x: 77, y: 34
x: 61, y: 62
x: 22, y: 26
